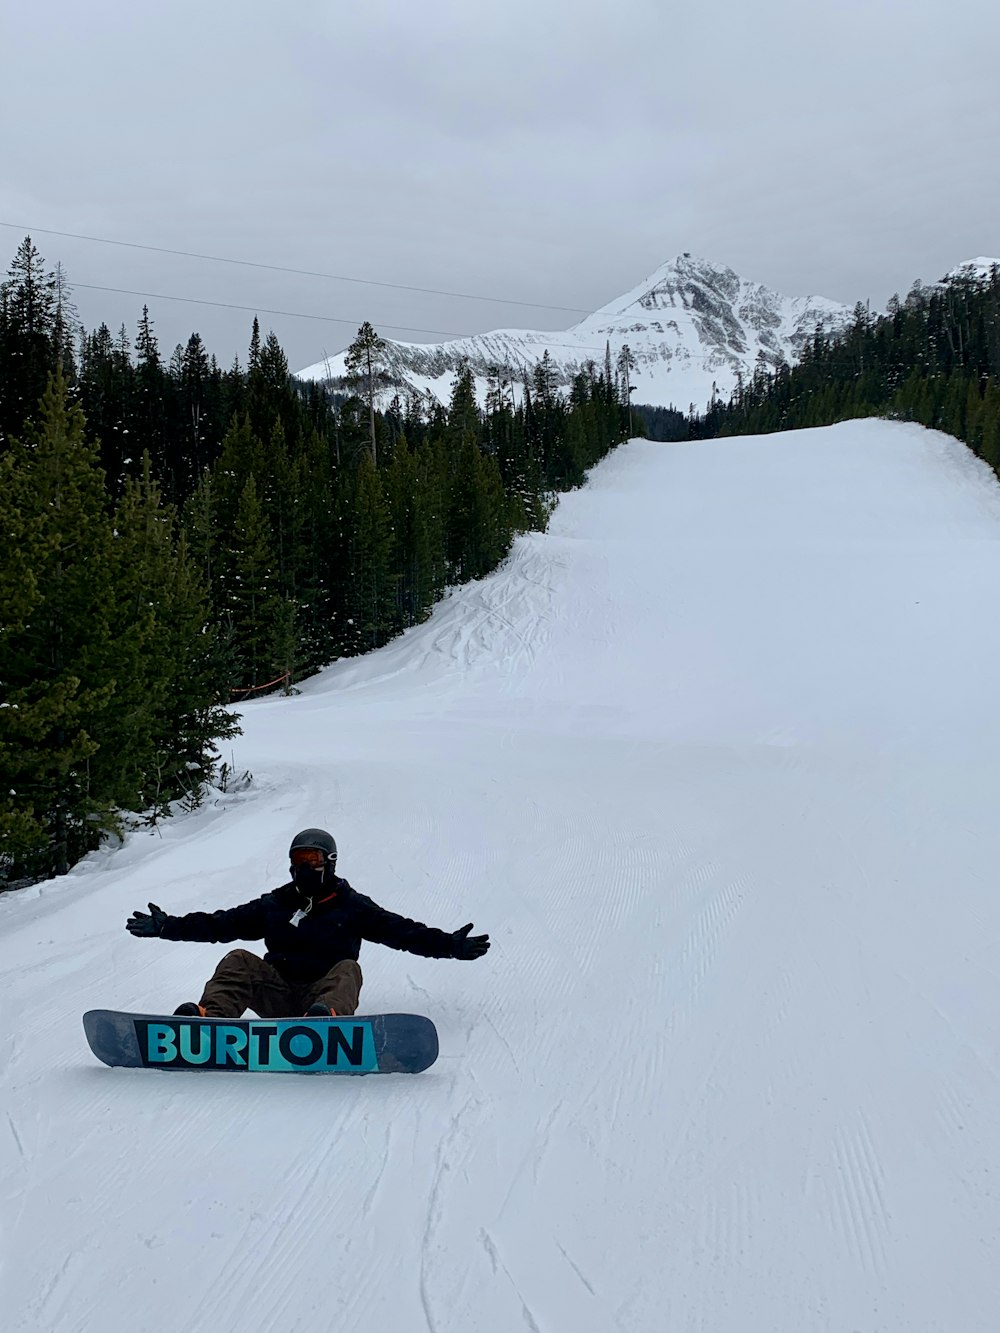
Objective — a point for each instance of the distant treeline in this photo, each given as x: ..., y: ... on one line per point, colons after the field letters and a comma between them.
x: 178, y: 536
x: 662, y: 423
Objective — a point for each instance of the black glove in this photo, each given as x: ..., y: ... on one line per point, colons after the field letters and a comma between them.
x: 147, y: 924
x: 466, y: 946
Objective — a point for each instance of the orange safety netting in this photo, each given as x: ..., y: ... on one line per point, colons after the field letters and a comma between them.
x: 250, y: 688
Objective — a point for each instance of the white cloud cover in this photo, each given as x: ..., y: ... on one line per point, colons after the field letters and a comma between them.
x: 552, y: 152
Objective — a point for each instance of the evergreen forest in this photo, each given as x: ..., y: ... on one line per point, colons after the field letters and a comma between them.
x: 933, y: 358
x: 179, y: 536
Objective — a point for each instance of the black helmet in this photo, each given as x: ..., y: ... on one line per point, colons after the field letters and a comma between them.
x: 318, y: 840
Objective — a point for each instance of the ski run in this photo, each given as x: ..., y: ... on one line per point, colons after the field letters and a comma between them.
x: 715, y: 761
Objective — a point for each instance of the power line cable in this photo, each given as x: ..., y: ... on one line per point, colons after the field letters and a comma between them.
x: 543, y: 342
x: 256, y: 309
x: 297, y: 314
x: 299, y: 272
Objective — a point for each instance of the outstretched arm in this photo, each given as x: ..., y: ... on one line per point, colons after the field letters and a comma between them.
x: 245, y: 922
x: 399, y: 932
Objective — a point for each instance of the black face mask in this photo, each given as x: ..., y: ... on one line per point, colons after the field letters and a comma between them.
x: 308, y: 880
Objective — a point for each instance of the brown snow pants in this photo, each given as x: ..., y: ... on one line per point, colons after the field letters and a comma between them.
x: 244, y: 981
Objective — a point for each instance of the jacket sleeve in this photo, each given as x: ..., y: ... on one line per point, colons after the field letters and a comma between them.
x: 246, y: 922
x: 399, y: 932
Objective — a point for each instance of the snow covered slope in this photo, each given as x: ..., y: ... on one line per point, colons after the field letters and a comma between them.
x: 691, y: 325
x: 715, y: 761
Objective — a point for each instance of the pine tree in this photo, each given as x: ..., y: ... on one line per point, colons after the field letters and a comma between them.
x: 548, y: 410
x: 310, y: 505
x: 106, y: 392
x: 271, y: 399
x: 29, y: 349
x: 201, y: 528
x: 60, y: 662
x: 149, y: 423
x: 626, y: 364
x: 364, y: 363
x: 973, y: 416
x: 368, y: 606
x: 463, y: 410
x: 414, y: 487
x: 66, y: 327
x: 241, y: 457
x: 479, y: 528
x: 253, y: 601
x: 142, y: 549
x: 196, y: 384
x: 174, y: 702
x: 253, y: 358
x: 990, y: 447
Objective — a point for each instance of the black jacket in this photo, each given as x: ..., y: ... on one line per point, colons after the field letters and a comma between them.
x: 327, y: 934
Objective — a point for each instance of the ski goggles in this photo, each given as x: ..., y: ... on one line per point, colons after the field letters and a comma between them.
x: 308, y: 856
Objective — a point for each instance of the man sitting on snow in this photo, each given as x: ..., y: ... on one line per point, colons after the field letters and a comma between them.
x: 313, y: 928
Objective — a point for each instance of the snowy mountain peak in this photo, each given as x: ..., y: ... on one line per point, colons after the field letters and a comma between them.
x: 695, y: 328
x: 972, y: 270
x: 686, y: 274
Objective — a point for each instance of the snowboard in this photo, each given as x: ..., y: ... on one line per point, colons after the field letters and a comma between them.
x: 366, y: 1044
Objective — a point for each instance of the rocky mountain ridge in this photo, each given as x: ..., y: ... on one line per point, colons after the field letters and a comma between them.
x: 694, y: 328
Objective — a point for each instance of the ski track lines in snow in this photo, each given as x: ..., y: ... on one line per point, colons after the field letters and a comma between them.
x: 715, y: 762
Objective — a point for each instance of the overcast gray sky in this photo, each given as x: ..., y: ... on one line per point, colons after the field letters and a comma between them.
x: 550, y: 151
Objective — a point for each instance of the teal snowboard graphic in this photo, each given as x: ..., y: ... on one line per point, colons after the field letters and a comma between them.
x: 366, y: 1044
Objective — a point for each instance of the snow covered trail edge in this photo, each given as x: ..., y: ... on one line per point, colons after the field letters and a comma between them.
x: 715, y: 761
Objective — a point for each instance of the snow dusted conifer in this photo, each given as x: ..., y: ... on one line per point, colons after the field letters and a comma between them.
x: 364, y: 363
x: 60, y: 658
x: 252, y: 596
x: 30, y: 350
